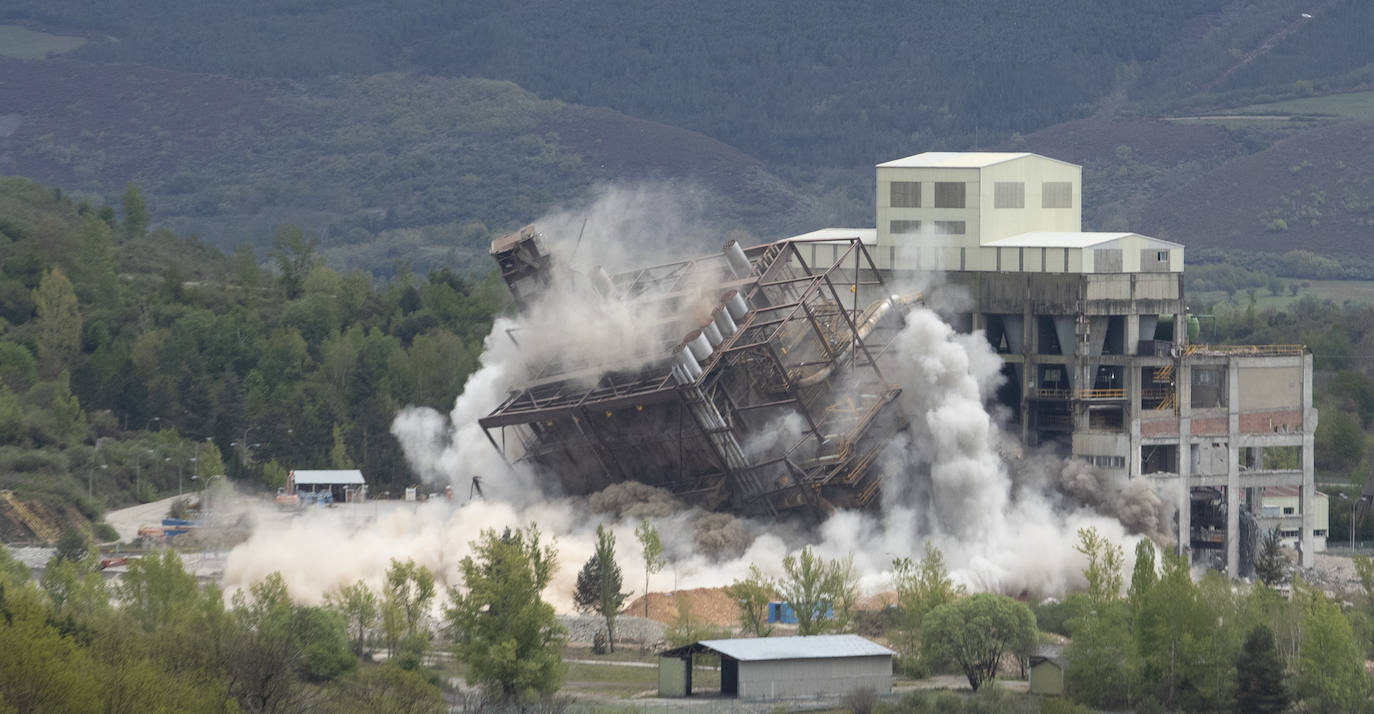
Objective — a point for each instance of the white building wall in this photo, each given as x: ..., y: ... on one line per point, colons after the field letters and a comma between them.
x: 778, y: 679
x: 1031, y: 171
x: 927, y: 214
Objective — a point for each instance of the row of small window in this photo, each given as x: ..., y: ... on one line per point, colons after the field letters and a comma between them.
x: 1107, y: 462
x: 944, y: 228
x: 1005, y: 194
x: 1294, y: 532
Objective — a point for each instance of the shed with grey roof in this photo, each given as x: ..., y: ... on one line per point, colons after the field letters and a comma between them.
x: 327, y: 485
x: 783, y: 667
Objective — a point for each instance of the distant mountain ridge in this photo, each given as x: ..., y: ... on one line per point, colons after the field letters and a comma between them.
x: 410, y: 131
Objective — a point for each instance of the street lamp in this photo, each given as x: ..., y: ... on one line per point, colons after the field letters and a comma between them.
x: 138, y: 474
x: 90, y: 472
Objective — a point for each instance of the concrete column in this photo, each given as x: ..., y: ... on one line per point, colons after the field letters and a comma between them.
x: 1132, y: 345
x: 1308, y: 500
x: 1183, y: 381
x: 1234, y: 498
x: 1132, y: 417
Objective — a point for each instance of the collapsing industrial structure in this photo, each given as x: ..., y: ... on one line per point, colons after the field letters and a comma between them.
x: 1100, y: 357
x: 746, y: 339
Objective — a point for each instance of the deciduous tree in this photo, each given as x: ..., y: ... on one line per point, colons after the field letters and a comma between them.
x: 652, y: 548
x: 502, y: 628
x: 753, y: 594
x: 1104, y: 564
x: 821, y: 594
x: 57, y: 323
x: 975, y: 632
x: 921, y: 587
x: 358, y: 605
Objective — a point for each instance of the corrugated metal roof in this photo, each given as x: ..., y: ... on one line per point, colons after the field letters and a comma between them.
x: 867, y: 236
x: 1068, y: 239
x: 331, y: 476
x: 956, y: 160
x: 810, y: 647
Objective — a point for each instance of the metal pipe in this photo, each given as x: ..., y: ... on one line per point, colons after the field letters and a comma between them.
x: 712, y: 334
x: 735, y: 304
x: 723, y: 321
x: 873, y: 314
x: 738, y: 262
x: 690, y: 367
x: 700, y: 347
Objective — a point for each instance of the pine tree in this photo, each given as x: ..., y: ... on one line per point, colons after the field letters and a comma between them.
x: 1259, y: 675
x: 136, y: 217
x: 598, y: 583
x: 1271, y: 565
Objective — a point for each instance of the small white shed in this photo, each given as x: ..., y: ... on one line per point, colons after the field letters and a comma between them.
x: 783, y: 667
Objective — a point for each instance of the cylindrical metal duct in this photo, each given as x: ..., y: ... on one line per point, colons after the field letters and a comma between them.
x: 602, y: 281
x: 712, y: 334
x: 734, y: 302
x: 700, y: 347
x: 738, y: 262
x: 724, y: 323
x: 680, y: 374
x: 689, y: 365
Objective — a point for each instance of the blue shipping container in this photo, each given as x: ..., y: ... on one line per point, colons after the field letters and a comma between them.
x: 782, y: 612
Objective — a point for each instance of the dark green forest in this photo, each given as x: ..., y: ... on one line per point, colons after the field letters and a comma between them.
x: 130, y: 356
x: 822, y: 85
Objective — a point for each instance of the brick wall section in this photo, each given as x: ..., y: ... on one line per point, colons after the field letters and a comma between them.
x: 1159, y: 427
x: 1283, y: 421
x: 1211, y: 425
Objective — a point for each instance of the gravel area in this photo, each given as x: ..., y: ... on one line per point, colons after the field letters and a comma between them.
x: 582, y: 628
x: 33, y: 557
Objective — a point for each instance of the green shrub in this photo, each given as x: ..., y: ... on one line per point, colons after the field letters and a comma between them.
x: 105, y: 533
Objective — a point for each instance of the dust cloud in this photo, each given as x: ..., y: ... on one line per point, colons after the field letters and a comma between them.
x: 1006, y: 519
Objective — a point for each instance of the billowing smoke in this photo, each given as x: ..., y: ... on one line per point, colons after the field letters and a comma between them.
x: 1006, y: 519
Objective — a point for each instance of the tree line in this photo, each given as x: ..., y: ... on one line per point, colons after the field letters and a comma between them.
x: 136, y: 363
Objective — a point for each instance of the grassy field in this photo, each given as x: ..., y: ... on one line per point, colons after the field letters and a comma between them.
x: 1353, y: 105
x: 625, y: 681
x: 21, y: 43
x: 1337, y: 291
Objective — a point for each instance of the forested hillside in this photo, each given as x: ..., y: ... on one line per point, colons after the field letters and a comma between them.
x: 416, y: 129
x: 386, y: 168
x: 821, y: 84
x: 130, y: 361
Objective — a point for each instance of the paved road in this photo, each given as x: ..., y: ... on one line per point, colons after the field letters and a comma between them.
x: 127, y: 521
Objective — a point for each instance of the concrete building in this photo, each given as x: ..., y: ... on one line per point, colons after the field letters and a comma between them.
x: 783, y: 667
x: 1098, y: 347
x: 1281, y: 508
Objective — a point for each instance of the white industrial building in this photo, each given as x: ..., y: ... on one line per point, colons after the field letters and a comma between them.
x: 1101, y: 357
x: 783, y: 667
x: 1281, y: 508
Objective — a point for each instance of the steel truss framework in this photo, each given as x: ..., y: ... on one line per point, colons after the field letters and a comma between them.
x: 802, y: 361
